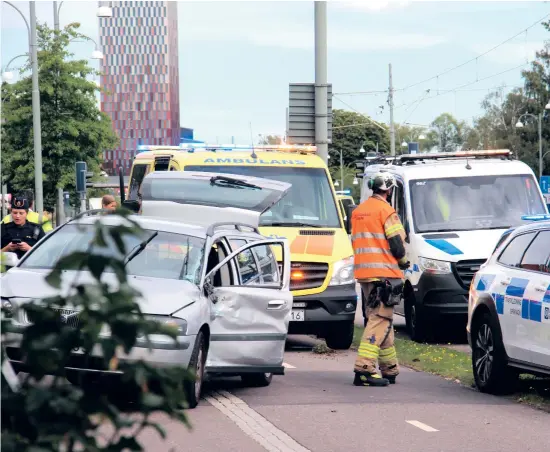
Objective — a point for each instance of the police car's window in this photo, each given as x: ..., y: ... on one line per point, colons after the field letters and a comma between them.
x: 536, y: 256
x: 268, y: 264
x: 168, y: 255
x: 309, y: 200
x: 138, y: 173
x: 250, y: 275
x: 513, y: 253
x: 473, y: 203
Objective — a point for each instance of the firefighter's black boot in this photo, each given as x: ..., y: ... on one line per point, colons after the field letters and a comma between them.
x: 391, y: 378
x: 366, y: 379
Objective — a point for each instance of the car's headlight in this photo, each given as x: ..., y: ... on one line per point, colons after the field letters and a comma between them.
x: 434, y: 266
x: 342, y: 272
x: 179, y: 325
x: 7, y: 308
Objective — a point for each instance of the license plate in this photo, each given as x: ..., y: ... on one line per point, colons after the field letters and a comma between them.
x: 298, y: 315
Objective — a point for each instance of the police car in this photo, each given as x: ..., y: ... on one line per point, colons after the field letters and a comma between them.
x: 509, y: 308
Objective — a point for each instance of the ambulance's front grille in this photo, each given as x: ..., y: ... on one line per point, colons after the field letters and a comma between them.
x: 307, y: 275
x: 465, y: 270
x: 315, y: 232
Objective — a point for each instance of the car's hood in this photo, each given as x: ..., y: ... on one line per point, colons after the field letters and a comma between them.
x: 158, y: 295
x: 460, y: 245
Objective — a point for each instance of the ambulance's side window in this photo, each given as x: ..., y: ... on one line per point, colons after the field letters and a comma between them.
x: 138, y: 173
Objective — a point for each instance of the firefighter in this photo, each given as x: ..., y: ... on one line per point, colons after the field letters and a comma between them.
x: 379, y: 260
x: 32, y: 216
x: 20, y: 235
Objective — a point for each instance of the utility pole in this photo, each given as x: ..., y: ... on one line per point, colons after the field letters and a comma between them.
x: 37, y: 128
x: 392, y: 125
x: 321, y: 86
x: 55, y: 16
x: 541, y: 166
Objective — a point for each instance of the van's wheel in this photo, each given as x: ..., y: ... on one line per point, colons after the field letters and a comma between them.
x: 415, y: 319
x: 340, y: 337
x: 491, y: 371
x: 257, y: 380
x: 193, y: 388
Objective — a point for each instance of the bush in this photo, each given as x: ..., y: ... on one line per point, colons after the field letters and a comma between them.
x: 47, y: 414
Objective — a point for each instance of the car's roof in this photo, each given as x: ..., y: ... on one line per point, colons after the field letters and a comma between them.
x: 149, y: 223
x: 530, y: 227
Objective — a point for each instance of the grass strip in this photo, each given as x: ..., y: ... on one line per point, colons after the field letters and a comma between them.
x: 457, y: 366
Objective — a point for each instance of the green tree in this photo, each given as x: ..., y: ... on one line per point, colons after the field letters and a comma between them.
x: 408, y: 133
x: 73, y: 128
x: 44, y: 415
x: 350, y: 132
x: 269, y: 139
x: 447, y: 134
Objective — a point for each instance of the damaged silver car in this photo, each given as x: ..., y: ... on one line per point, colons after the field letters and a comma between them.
x: 219, y: 281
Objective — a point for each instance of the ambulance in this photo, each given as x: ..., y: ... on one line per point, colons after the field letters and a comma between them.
x: 309, y: 217
x: 455, y: 207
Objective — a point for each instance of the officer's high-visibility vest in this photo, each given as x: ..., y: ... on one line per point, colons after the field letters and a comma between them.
x: 442, y: 203
x: 372, y: 255
x: 33, y: 217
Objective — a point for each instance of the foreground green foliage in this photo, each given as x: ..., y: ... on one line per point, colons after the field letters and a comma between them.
x: 47, y: 413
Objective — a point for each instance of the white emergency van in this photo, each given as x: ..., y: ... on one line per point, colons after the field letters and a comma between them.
x: 454, y: 207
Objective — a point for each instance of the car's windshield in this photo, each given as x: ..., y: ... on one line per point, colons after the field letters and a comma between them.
x: 309, y: 201
x: 167, y: 255
x: 468, y: 203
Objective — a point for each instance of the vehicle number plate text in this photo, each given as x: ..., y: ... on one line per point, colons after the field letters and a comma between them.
x: 298, y: 315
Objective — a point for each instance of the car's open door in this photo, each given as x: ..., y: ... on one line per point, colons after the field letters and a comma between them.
x: 250, y: 315
x: 206, y: 198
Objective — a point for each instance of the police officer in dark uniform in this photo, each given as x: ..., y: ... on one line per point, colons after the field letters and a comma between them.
x: 19, y: 235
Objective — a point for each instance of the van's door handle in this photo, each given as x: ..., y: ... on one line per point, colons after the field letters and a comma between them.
x: 276, y: 304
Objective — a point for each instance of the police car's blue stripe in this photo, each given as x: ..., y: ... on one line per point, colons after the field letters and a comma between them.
x: 535, y: 311
x: 485, y: 282
x: 516, y: 288
x: 499, y: 302
x: 546, y: 298
x: 444, y: 246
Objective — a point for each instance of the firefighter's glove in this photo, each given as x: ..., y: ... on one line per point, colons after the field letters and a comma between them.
x: 404, y: 264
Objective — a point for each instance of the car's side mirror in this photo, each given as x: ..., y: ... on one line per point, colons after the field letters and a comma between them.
x: 9, y: 260
x: 131, y: 205
x: 349, y: 210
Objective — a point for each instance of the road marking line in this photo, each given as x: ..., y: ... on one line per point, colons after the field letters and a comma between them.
x: 422, y: 426
x: 253, y: 423
x: 289, y: 366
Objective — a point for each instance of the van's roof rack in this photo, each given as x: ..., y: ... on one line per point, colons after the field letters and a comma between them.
x: 490, y: 153
x: 238, y: 226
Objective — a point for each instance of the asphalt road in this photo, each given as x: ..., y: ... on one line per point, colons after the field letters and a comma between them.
x: 315, y: 407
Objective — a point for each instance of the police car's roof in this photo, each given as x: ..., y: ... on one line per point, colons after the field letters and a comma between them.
x: 534, y: 226
x: 454, y: 168
x: 149, y: 223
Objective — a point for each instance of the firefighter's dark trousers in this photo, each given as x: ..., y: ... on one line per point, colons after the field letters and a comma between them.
x: 377, y: 343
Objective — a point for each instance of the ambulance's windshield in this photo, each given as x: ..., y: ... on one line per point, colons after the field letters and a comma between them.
x: 309, y: 202
x: 470, y: 203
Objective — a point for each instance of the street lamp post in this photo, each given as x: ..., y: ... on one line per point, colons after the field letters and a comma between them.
x: 538, y: 117
x: 37, y: 129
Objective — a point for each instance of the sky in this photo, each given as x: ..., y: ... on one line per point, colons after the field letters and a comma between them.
x: 238, y: 58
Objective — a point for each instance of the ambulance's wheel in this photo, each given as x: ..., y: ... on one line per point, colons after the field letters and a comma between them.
x: 415, y: 319
x: 491, y: 371
x: 340, y: 337
x: 257, y: 380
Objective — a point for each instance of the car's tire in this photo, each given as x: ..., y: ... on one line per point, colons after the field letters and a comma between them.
x: 340, y: 337
x: 489, y: 363
x: 193, y: 388
x: 416, y: 320
x: 257, y: 380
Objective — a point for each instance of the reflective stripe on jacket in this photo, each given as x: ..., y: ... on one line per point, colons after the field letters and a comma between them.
x: 372, y: 256
x: 33, y: 217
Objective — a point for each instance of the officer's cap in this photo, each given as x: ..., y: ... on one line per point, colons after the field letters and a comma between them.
x: 20, y: 203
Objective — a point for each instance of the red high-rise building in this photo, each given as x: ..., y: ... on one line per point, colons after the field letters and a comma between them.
x: 140, y: 80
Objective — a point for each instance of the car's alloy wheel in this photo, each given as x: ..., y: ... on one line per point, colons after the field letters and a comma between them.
x: 193, y: 389
x: 489, y: 363
x: 482, y: 353
x: 199, y: 374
